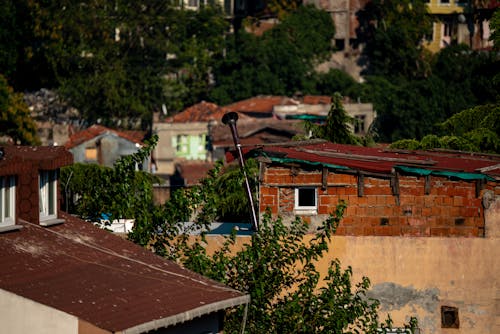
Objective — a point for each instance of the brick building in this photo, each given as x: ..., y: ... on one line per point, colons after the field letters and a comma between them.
x: 388, y: 192
x: 424, y: 227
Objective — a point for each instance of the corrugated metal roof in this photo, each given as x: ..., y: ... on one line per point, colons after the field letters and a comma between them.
x: 381, y: 160
x: 97, y: 130
x: 103, y: 279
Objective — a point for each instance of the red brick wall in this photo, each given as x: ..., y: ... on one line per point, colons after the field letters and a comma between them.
x: 450, y: 209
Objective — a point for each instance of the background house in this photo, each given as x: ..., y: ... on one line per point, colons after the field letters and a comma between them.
x: 461, y: 21
x: 418, y: 224
x: 59, y: 274
x: 185, y: 136
x: 304, y: 107
x: 104, y: 146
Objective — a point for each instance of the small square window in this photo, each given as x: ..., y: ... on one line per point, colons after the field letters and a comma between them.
x: 48, y: 194
x: 91, y: 154
x: 7, y: 201
x: 449, y: 317
x: 305, y: 200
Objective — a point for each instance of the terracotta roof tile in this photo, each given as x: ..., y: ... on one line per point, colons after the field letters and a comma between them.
x: 200, y: 112
x: 264, y: 104
x: 97, y: 130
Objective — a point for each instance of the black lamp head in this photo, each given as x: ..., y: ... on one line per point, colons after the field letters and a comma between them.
x: 230, y: 118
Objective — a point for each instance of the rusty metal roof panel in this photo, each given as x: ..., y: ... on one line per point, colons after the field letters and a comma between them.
x: 103, y: 279
x: 381, y: 159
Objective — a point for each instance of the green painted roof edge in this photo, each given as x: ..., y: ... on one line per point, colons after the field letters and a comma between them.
x: 458, y: 175
x: 306, y: 162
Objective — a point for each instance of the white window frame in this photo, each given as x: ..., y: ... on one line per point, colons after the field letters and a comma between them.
x: 8, y: 201
x: 48, y: 194
x: 306, y: 209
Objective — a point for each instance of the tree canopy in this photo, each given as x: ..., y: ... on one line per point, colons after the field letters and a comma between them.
x: 337, y: 125
x: 280, y: 62
x: 15, y: 119
x: 476, y: 129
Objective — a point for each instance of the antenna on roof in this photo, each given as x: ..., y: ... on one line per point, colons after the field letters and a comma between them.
x: 230, y: 119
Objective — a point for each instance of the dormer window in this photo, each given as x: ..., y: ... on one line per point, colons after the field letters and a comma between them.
x: 48, y: 198
x: 7, y: 201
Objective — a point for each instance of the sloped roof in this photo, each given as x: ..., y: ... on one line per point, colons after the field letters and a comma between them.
x: 257, y: 104
x: 265, y: 104
x: 258, y: 131
x: 98, y: 130
x: 382, y: 160
x: 103, y: 279
x: 193, y: 171
x: 200, y: 112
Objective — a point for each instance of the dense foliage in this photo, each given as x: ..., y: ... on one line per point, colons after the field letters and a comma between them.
x: 277, y: 267
x: 475, y: 130
x: 120, y: 192
x: 280, y: 62
x: 120, y: 62
x: 15, y: 120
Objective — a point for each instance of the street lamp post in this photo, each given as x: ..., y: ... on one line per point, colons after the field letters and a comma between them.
x: 230, y: 119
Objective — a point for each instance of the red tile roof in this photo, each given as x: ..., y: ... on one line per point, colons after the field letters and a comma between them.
x: 103, y: 279
x: 264, y: 104
x: 200, y: 112
x: 381, y: 160
x: 258, y: 104
x: 97, y: 130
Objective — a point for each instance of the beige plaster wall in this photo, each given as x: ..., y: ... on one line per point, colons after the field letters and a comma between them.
x: 415, y: 276
x: 20, y: 315
x: 164, y: 152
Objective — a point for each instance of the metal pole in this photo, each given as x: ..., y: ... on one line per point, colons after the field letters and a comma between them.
x: 230, y: 119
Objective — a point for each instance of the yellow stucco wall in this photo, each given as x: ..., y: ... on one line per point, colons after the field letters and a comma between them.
x: 415, y: 276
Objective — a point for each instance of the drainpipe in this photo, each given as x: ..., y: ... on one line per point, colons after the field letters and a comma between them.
x: 230, y: 119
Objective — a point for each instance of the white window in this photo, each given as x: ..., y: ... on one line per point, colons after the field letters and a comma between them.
x: 306, y: 200
x: 48, y: 194
x: 8, y: 201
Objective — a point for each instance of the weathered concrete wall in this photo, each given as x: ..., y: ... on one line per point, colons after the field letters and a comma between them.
x: 20, y: 316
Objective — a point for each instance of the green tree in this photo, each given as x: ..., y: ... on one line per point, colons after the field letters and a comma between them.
x: 394, y: 32
x: 112, y: 61
x: 476, y: 129
x: 277, y: 268
x: 336, y: 128
x: 15, y: 117
x: 280, y: 62
x: 495, y: 28
x: 121, y: 191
